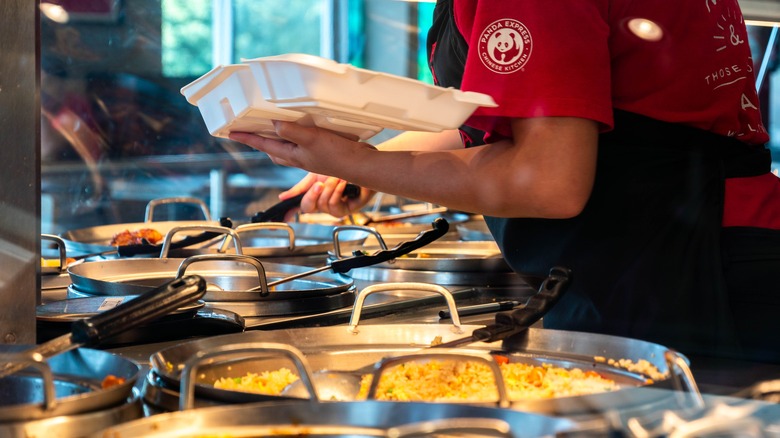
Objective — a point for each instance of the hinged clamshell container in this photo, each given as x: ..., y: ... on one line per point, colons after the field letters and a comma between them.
x: 311, y: 90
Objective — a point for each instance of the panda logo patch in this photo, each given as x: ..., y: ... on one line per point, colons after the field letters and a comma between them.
x: 505, y: 46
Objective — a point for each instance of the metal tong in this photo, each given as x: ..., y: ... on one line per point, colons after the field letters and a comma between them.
x: 365, y: 219
x: 511, y: 323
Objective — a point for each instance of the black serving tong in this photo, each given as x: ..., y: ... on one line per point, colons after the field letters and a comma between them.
x: 439, y: 228
x: 149, y: 248
x: 276, y: 212
x: 130, y: 314
x: 511, y: 323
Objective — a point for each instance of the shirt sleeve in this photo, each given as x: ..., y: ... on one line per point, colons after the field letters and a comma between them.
x: 537, y: 59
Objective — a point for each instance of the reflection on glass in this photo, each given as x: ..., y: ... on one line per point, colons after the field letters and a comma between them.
x: 117, y: 133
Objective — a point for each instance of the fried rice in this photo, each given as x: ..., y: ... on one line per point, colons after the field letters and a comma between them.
x: 267, y: 382
x: 474, y: 382
x: 449, y: 380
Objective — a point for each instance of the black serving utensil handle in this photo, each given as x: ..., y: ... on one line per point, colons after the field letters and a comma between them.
x: 517, y: 321
x: 440, y: 226
x: 148, y: 248
x: 138, y: 311
x: 341, y: 266
x: 276, y: 212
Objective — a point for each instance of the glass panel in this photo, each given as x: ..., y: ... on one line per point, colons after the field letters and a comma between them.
x: 425, y: 19
x: 764, y: 44
x: 117, y: 133
x: 186, y: 37
x: 265, y: 28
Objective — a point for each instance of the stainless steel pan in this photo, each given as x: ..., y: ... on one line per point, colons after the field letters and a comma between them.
x: 443, y: 262
x: 438, y: 256
x: 339, y: 348
x: 361, y: 419
x: 474, y: 230
x: 133, y: 276
x: 280, y: 239
x: 336, y: 348
x: 398, y: 230
x: 95, y: 240
x: 229, y: 277
x: 331, y: 418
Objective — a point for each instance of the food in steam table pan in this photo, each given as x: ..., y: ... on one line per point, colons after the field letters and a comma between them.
x: 450, y: 380
x: 266, y: 382
x: 136, y: 237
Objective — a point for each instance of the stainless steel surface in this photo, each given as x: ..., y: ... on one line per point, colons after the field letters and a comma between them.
x: 474, y: 230
x: 447, y: 278
x: 20, y: 197
x: 288, y: 308
x: 399, y: 230
x: 337, y: 419
x: 440, y: 262
x: 370, y: 218
x: 228, y: 280
x: 451, y: 257
x: 272, y: 239
x: 397, y: 306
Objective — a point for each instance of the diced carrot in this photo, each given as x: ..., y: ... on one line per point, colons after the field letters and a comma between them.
x: 501, y: 360
x: 111, y: 380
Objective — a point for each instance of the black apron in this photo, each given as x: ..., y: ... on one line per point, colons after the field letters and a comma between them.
x: 646, y: 251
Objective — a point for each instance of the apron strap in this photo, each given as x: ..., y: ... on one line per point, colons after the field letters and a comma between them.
x: 447, y: 51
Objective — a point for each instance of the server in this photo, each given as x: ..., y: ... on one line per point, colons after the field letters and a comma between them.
x: 627, y: 145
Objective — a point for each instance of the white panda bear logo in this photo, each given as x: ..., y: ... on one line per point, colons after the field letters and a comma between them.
x: 505, y: 46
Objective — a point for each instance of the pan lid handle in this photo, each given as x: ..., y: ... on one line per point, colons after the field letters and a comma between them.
x: 263, y: 226
x: 240, y: 258
x: 357, y: 308
x: 148, y: 216
x: 228, y: 232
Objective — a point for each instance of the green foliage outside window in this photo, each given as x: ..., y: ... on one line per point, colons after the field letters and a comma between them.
x: 260, y: 28
x: 274, y: 27
x: 186, y: 37
x: 265, y: 28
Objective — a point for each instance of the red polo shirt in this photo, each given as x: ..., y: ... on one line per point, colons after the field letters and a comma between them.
x: 688, y: 64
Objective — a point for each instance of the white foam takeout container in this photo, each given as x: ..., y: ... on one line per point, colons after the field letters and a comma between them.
x: 311, y: 90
